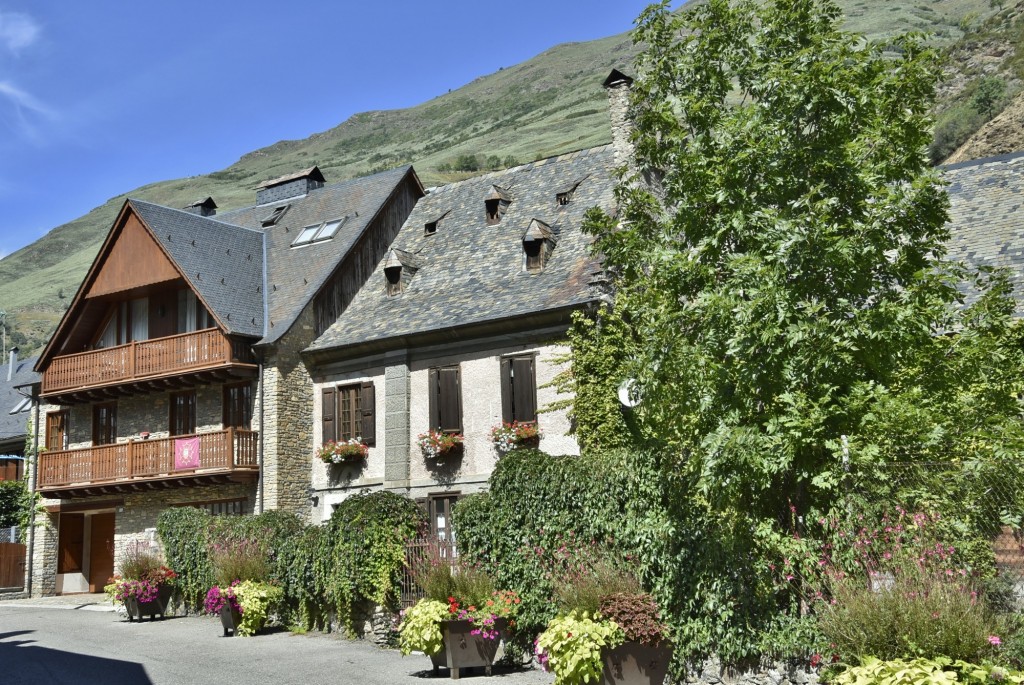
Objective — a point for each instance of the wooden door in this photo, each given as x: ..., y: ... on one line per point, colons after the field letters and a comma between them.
x: 70, y: 543
x: 101, y: 551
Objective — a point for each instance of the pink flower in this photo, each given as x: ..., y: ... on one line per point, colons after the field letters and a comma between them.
x: 994, y: 640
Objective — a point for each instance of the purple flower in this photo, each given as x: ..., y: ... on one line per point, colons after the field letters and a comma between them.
x: 994, y: 640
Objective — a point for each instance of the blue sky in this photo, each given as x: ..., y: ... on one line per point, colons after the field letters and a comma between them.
x: 98, y: 98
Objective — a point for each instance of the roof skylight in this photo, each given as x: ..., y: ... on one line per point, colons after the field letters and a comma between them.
x: 318, y: 232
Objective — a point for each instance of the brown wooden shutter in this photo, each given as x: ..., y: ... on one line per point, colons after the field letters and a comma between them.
x: 524, y: 389
x: 506, y: 390
x: 450, y: 396
x: 368, y: 420
x: 432, y: 393
x: 328, y: 405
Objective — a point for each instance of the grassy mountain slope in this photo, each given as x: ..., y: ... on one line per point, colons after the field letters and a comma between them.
x: 550, y: 104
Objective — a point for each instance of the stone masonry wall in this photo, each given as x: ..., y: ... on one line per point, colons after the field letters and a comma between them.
x: 148, y: 413
x: 288, y: 422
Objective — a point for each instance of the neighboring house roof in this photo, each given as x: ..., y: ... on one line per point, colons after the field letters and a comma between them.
x: 987, y: 215
x: 296, y: 274
x: 471, y: 272
x: 222, y: 262
x: 13, y: 427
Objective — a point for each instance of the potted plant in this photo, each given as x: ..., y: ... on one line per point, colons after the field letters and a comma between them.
x: 243, y: 606
x: 644, y: 656
x: 509, y: 436
x: 607, y: 630
x: 438, y: 444
x: 145, y: 585
x: 242, y: 596
x: 465, y: 630
x: 343, y: 451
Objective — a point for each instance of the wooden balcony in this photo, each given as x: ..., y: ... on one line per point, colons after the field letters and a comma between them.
x: 224, y: 456
x: 151, y: 365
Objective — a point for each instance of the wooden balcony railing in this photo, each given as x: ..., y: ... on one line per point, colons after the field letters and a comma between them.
x: 205, y: 349
x: 233, y: 449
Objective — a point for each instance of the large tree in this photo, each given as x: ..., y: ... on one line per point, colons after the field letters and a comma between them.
x: 778, y: 254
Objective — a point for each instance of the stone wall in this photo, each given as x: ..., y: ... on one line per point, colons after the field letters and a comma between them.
x: 772, y: 673
x: 288, y: 421
x: 402, y: 405
x: 147, y: 413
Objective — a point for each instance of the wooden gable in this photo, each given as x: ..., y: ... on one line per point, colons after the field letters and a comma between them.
x: 133, y: 260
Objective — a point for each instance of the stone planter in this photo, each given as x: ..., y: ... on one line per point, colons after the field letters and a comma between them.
x: 138, y: 610
x: 632, y: 663
x: 229, y: 620
x: 462, y: 649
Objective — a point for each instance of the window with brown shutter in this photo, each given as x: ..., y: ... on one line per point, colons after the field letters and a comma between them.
x: 56, y: 431
x: 445, y: 388
x: 348, y: 411
x: 518, y: 390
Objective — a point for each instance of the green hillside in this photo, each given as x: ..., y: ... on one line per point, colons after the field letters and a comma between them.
x: 548, y: 105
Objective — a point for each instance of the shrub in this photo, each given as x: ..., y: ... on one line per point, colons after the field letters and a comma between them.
x: 637, y: 615
x: 909, y: 615
x: 238, y: 560
x: 538, y: 504
x: 15, y: 503
x: 138, y: 561
x: 571, y: 647
x: 420, y: 630
x: 937, y: 671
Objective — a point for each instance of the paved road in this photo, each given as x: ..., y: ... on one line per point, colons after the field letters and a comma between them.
x: 59, y: 644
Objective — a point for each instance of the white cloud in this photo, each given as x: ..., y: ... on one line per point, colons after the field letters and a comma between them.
x: 24, y: 100
x: 17, y: 31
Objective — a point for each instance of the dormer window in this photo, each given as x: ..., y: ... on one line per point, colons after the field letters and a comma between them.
x: 564, y: 196
x: 319, y: 232
x: 274, y: 217
x: 495, y: 205
x: 399, y: 268
x: 430, y: 227
x: 393, y: 276
x: 538, y: 243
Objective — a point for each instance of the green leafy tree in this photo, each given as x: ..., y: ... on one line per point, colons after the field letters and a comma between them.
x: 778, y: 255
x: 988, y: 95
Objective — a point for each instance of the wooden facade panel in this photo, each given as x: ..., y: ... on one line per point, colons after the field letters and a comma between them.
x: 135, y: 260
x: 363, y: 258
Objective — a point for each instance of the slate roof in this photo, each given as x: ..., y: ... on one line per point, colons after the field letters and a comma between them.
x: 987, y: 215
x: 13, y: 426
x: 472, y: 273
x: 222, y: 262
x: 294, y: 275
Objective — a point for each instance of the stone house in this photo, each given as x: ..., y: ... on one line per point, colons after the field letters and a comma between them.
x: 174, y: 377
x: 459, y: 329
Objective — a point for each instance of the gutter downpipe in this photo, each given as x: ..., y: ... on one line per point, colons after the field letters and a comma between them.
x: 263, y: 394
x: 32, y: 493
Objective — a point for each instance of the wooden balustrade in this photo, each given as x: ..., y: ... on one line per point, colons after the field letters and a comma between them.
x: 198, y: 350
x: 221, y: 451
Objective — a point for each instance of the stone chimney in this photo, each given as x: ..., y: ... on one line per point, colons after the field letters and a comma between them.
x: 205, y: 207
x: 13, y: 363
x: 618, y: 85
x: 292, y: 185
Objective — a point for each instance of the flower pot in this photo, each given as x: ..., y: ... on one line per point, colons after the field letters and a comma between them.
x: 138, y: 610
x: 229, y: 619
x: 462, y: 649
x: 633, y: 663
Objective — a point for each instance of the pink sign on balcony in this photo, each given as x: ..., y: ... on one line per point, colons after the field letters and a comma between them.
x: 186, y: 453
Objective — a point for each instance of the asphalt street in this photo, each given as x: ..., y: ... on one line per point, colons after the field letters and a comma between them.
x: 79, y: 647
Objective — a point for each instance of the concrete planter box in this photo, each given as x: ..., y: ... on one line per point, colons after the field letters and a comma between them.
x: 229, y: 620
x: 138, y: 610
x: 632, y: 663
x: 465, y: 650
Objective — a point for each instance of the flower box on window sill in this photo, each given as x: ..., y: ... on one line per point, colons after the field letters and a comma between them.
x: 439, y: 445
x: 511, y: 436
x: 350, y: 451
